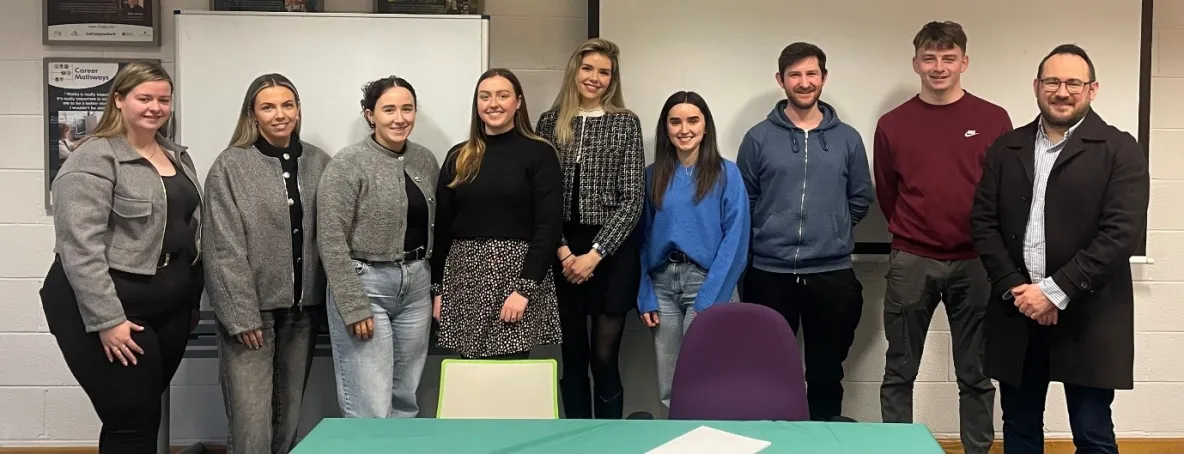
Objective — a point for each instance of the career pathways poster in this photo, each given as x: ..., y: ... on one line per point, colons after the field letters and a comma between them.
x: 102, y: 22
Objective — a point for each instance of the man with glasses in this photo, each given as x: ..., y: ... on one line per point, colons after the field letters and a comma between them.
x: 1059, y: 211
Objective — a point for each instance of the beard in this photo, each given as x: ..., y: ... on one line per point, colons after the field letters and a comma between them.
x: 1063, y: 121
x: 815, y: 95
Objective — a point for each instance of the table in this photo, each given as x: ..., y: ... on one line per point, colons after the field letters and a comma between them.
x: 573, y: 436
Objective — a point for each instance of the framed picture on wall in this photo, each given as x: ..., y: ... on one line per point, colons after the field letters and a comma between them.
x: 429, y: 6
x: 107, y: 22
x: 75, y: 93
x: 267, y: 5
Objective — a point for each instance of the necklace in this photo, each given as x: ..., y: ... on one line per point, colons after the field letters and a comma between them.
x: 155, y: 149
x: 689, y: 169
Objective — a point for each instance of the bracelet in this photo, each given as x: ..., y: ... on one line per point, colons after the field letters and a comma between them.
x: 565, y: 258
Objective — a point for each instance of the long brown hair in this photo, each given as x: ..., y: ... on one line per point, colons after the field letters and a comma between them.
x: 127, y: 79
x: 567, y: 101
x: 246, y: 131
x: 708, y: 165
x: 468, y: 158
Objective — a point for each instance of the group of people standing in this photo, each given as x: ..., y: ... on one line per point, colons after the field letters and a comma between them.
x: 524, y: 236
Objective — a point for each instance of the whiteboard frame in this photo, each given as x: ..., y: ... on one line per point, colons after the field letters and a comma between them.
x: 177, y: 57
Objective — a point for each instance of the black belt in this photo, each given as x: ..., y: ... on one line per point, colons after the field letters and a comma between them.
x: 168, y: 258
x: 415, y: 255
x: 678, y: 257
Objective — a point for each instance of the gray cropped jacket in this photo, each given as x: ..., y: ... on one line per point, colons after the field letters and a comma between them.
x: 109, y: 207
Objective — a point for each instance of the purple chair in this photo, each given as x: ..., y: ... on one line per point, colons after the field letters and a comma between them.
x: 739, y: 361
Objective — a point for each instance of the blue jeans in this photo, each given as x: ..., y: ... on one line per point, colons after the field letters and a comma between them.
x: 378, y: 378
x: 676, y: 285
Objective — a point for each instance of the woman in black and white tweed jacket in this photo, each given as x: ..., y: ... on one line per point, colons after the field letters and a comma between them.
x: 598, y: 268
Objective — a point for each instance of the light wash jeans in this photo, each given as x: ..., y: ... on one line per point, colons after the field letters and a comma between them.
x: 378, y: 378
x: 676, y: 284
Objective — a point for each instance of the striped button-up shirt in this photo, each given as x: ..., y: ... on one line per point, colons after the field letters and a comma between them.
x: 1035, y: 257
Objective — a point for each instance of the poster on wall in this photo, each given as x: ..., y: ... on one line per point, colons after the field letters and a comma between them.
x: 267, y: 5
x: 428, y: 6
x: 75, y: 92
x: 124, y: 22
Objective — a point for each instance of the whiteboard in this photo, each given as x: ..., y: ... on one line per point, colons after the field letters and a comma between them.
x: 728, y: 53
x: 328, y: 57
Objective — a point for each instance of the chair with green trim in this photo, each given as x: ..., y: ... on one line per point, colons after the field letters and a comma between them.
x: 499, y: 389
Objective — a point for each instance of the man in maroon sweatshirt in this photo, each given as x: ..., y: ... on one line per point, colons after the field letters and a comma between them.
x: 927, y: 161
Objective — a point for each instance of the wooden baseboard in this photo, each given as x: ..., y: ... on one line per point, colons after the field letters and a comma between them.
x: 950, y: 445
x: 1065, y: 446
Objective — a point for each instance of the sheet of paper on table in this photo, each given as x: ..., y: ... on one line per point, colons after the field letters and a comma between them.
x: 705, y: 440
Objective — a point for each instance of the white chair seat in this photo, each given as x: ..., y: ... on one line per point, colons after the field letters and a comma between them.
x: 499, y: 389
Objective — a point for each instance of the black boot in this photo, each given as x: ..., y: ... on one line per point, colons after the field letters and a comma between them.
x: 611, y: 408
x: 577, y: 399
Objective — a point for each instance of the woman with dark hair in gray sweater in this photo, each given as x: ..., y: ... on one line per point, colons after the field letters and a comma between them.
x: 264, y: 277
x: 376, y: 210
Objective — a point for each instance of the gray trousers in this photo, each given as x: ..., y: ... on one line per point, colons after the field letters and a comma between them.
x: 915, y: 286
x: 264, y: 389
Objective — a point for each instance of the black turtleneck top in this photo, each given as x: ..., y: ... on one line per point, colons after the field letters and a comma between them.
x: 287, y: 157
x: 516, y: 194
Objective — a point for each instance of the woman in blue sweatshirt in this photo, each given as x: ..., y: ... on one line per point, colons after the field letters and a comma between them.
x: 695, y: 225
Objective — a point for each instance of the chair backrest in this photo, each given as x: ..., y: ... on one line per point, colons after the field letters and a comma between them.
x: 499, y: 389
x: 739, y: 361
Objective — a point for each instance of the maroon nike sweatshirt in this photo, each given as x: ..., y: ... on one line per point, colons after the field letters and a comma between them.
x: 927, y: 162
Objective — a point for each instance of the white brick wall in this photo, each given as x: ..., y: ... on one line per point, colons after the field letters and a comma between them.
x: 43, y: 405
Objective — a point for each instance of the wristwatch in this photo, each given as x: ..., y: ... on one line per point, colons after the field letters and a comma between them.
x: 600, y: 250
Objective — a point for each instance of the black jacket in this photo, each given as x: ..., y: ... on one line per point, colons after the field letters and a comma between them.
x: 1095, y: 219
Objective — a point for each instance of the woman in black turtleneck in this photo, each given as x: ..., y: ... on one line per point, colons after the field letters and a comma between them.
x: 263, y: 272
x: 497, y: 229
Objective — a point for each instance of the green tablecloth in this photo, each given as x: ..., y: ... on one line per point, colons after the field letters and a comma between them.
x: 567, y: 436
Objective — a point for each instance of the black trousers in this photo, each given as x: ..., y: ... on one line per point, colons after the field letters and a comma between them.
x: 127, y: 398
x: 827, y: 306
x: 1090, y: 418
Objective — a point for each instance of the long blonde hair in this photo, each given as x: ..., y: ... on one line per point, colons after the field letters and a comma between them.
x: 127, y: 79
x: 567, y: 102
x: 246, y: 131
x: 468, y: 157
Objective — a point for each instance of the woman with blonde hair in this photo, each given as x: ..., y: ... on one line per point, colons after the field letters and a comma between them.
x: 497, y: 225
x: 598, y: 268
x: 263, y: 272
x: 122, y: 294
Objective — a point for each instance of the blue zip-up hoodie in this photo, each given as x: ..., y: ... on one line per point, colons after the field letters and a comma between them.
x: 807, y: 190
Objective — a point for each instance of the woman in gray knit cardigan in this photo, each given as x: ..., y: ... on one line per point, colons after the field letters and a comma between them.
x: 263, y: 276
x: 376, y: 210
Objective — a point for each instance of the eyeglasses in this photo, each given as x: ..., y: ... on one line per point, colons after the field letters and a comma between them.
x: 1074, y: 86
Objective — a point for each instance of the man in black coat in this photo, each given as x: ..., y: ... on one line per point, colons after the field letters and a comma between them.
x: 1059, y: 211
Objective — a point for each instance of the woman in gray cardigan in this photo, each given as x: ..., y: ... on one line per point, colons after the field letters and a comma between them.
x: 122, y: 294
x: 377, y: 208
x: 263, y: 271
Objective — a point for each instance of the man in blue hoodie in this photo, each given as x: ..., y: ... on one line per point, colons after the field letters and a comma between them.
x: 808, y: 185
